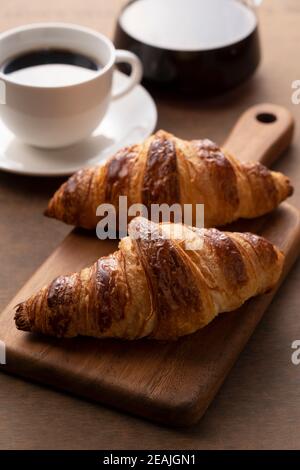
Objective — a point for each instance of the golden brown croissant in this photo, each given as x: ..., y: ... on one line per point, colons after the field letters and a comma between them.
x: 155, y: 285
x: 165, y: 169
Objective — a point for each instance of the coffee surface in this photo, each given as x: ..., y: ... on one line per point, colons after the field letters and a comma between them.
x: 50, y: 68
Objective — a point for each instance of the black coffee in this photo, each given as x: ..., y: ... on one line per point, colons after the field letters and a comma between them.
x: 51, y: 67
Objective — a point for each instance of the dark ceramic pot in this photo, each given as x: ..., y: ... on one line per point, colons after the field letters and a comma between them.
x: 203, y: 72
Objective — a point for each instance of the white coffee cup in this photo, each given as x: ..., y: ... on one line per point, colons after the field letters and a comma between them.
x: 59, y: 116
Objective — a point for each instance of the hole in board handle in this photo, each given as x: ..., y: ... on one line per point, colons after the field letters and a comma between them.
x: 266, y: 118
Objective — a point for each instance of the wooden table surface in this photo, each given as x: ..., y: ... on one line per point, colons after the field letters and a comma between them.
x: 258, y: 407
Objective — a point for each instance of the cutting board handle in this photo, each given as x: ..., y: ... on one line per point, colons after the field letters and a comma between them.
x: 261, y: 134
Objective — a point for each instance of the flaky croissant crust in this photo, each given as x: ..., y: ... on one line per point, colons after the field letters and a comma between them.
x: 166, y: 169
x: 155, y: 285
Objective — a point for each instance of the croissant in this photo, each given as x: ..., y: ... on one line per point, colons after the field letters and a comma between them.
x: 165, y: 281
x: 165, y: 169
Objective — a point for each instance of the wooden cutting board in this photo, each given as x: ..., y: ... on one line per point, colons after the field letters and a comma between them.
x: 168, y: 382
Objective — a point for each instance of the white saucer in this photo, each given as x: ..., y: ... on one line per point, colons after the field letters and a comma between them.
x: 129, y: 120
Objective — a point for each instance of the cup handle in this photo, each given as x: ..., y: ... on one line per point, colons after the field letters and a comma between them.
x: 136, y: 72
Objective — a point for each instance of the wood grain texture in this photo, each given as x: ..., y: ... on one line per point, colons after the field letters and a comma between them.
x: 172, y: 383
x: 258, y: 406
